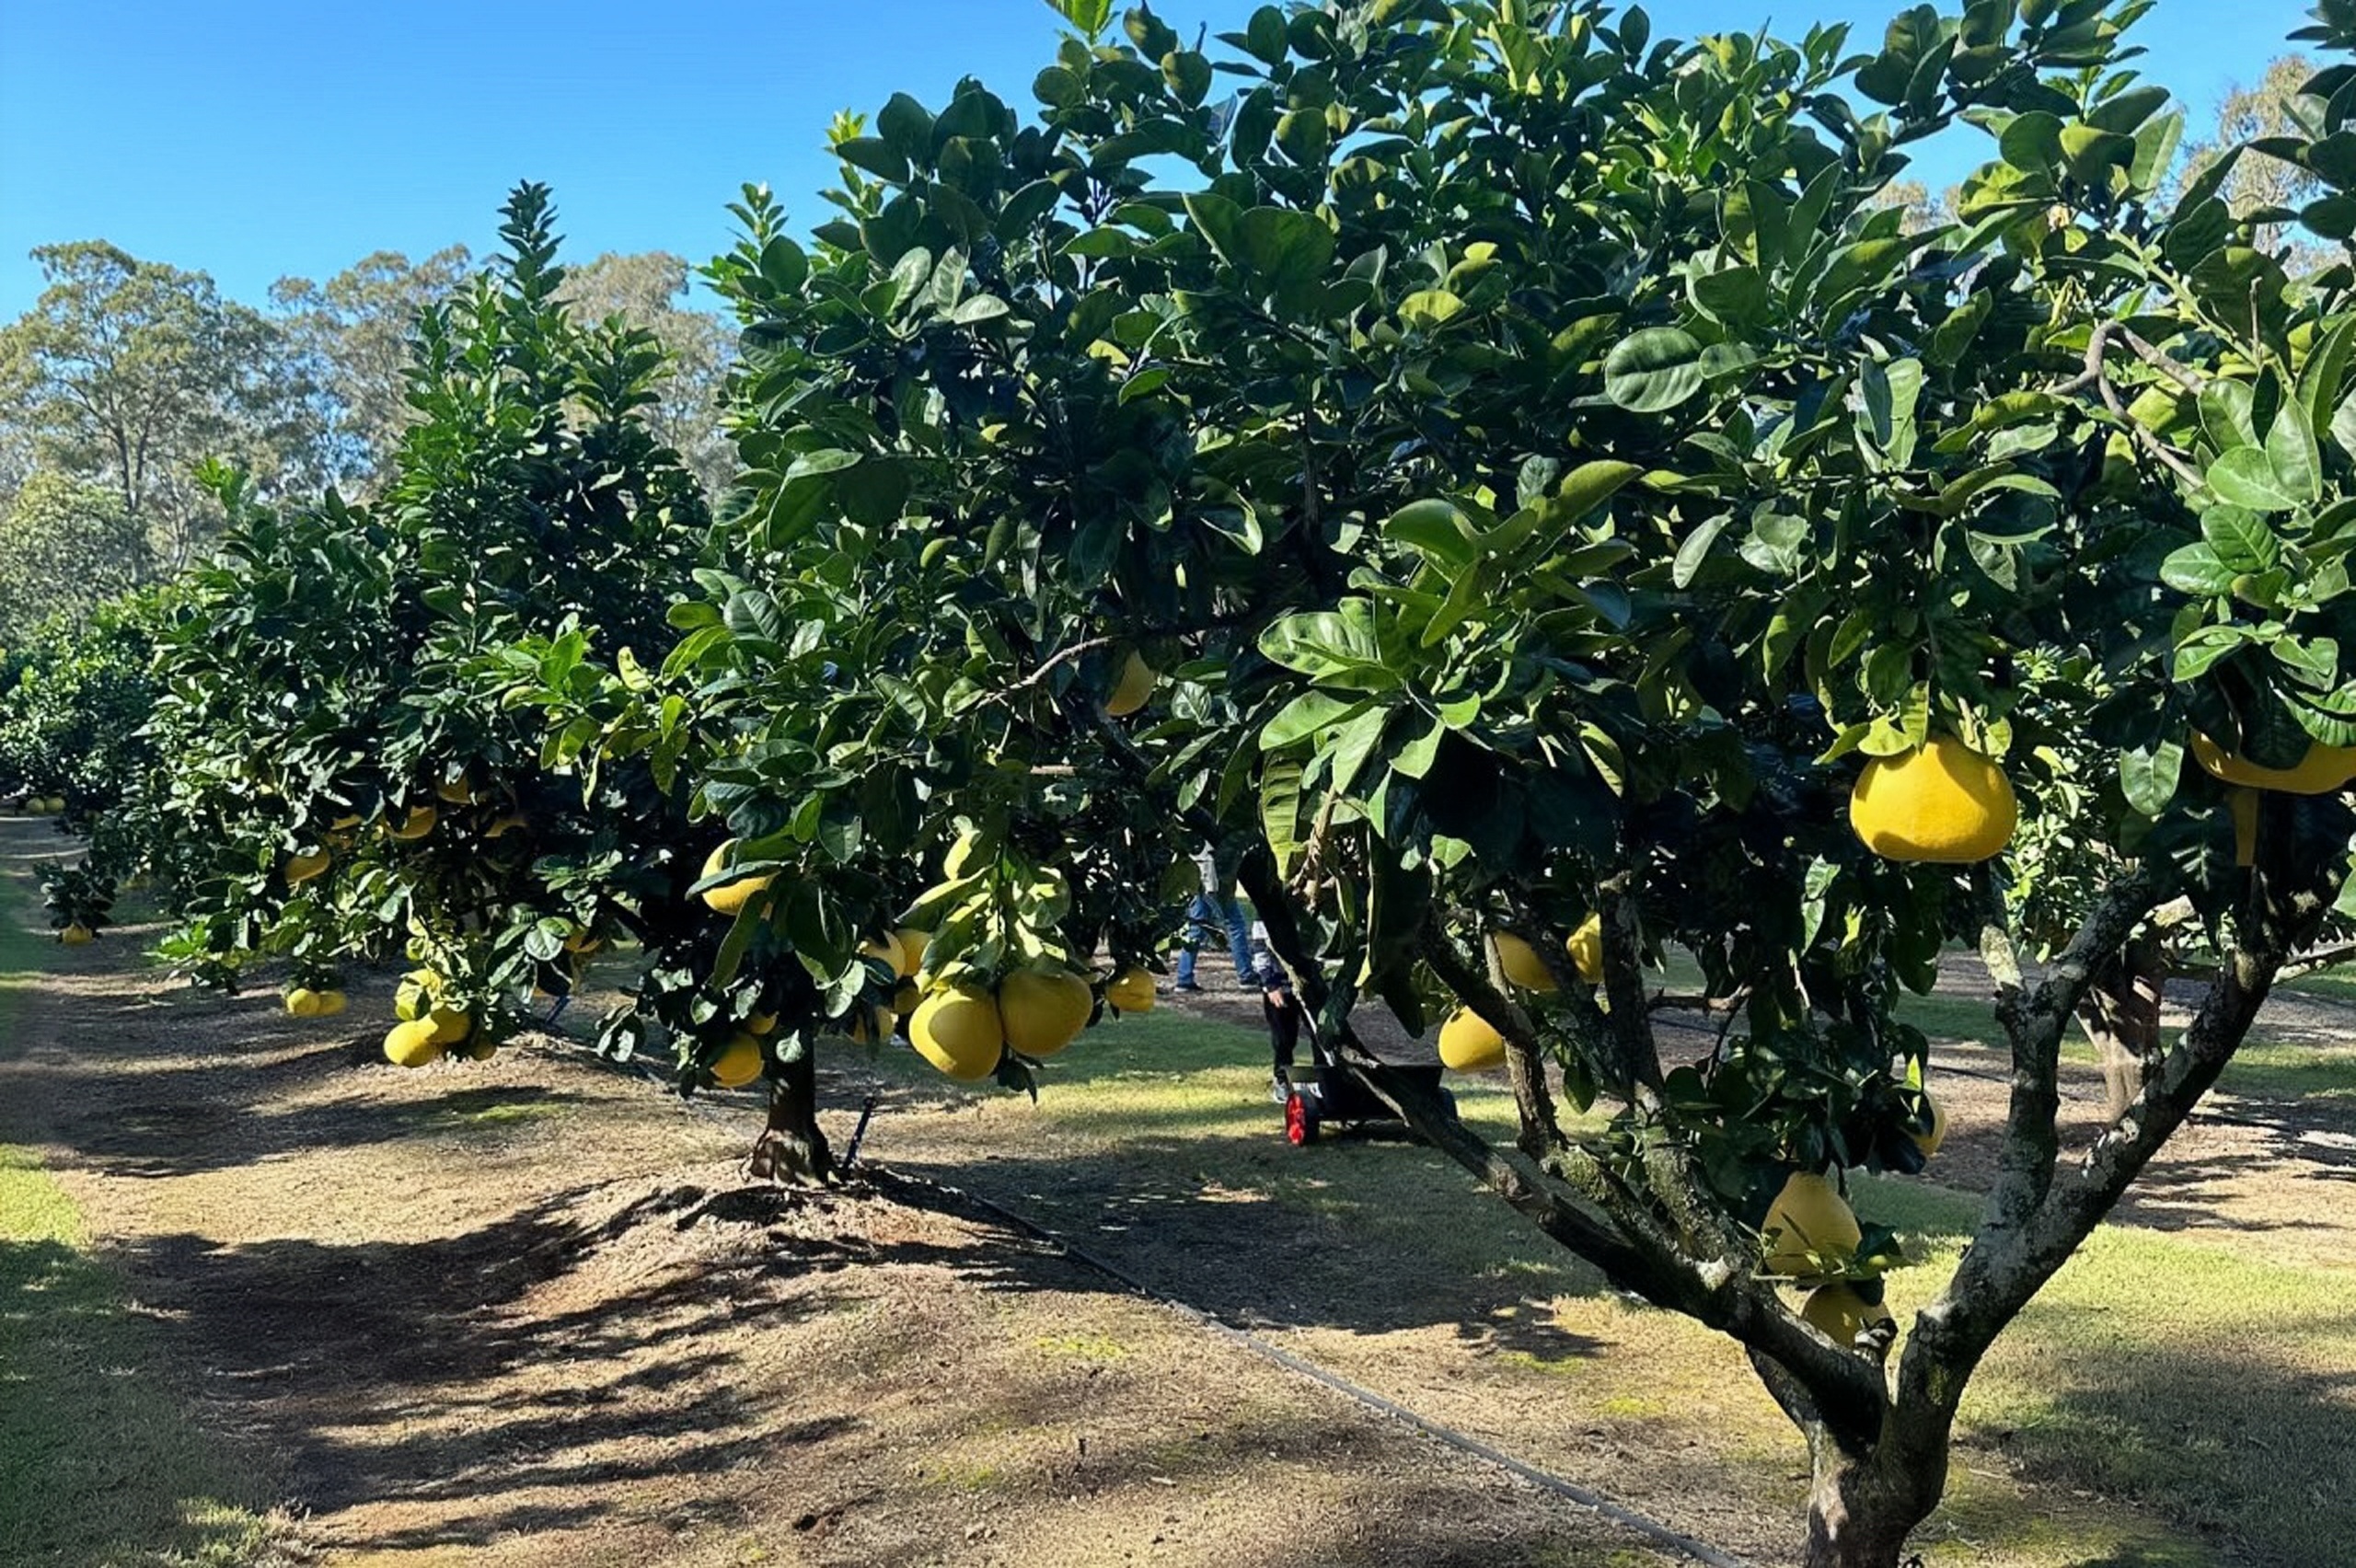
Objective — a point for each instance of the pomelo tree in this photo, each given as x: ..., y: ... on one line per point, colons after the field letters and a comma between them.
x: 1559, y: 499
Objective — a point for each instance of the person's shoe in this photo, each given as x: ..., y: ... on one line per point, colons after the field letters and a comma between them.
x: 1185, y: 985
x: 1280, y: 1089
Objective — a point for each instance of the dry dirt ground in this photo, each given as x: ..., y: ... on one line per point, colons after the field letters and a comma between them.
x: 526, y: 1312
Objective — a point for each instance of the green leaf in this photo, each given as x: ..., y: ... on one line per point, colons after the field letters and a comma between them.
x: 1303, y: 717
x: 1694, y: 550
x: 1652, y: 370
x: 1426, y: 309
x: 1590, y: 485
x: 2149, y: 778
x: 1735, y: 296
x: 2291, y: 448
x: 2240, y: 539
x: 1437, y: 528
x: 2195, y: 568
x: 2032, y: 143
x: 1090, y: 17
x: 2245, y: 476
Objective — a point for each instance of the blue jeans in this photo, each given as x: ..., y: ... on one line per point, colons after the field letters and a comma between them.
x: 1205, y: 915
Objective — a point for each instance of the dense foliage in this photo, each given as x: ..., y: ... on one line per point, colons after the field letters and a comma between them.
x: 1560, y: 494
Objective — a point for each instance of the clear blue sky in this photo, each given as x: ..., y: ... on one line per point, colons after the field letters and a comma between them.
x: 257, y: 138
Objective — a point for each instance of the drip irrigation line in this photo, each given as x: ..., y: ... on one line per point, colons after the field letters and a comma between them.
x: 1594, y: 1502
x: 1586, y: 1498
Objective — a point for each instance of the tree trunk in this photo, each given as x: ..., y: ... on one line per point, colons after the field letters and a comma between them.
x: 791, y: 1148
x: 1860, y: 1512
x: 2121, y: 1015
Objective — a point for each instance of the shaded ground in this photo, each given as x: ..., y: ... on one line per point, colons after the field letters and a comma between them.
x: 523, y: 1312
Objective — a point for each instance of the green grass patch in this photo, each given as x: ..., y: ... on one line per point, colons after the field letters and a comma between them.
x: 98, y: 1467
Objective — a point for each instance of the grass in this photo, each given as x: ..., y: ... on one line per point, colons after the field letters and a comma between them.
x: 99, y: 1466
x: 2189, y: 1397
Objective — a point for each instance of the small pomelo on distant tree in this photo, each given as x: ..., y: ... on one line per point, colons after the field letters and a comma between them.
x: 1042, y: 1011
x: 1130, y: 991
x: 1132, y: 687
x: 2321, y: 772
x: 301, y: 868
x: 1586, y: 947
x: 1942, y: 803
x: 1809, y: 1221
x: 957, y: 1029
x: 905, y: 998
x: 78, y: 935
x: 329, y: 1003
x: 1838, y: 1313
x: 1521, y: 964
x: 1468, y: 1045
x: 451, y: 1025
x: 885, y: 949
x: 344, y: 823
x: 729, y: 897
x: 739, y: 1062
x: 913, y: 943
x: 1929, y: 1140
x: 412, y: 1044
x: 761, y: 1023
x: 414, y: 825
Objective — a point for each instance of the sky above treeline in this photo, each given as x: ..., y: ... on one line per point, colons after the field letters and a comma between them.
x: 256, y: 139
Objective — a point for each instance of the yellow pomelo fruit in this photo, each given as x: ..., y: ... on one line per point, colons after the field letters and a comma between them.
x: 2323, y: 770
x: 1586, y: 947
x: 583, y: 940
x: 479, y: 1050
x: 1808, y: 1216
x: 1521, y: 962
x: 739, y: 1063
x: 957, y: 1031
x: 504, y: 826
x: 76, y: 935
x: 456, y: 792
x: 1468, y: 1045
x: 1131, y: 990
x: 329, y: 1003
x: 761, y: 1023
x: 1942, y: 803
x: 730, y: 898
x: 1841, y: 1314
x: 912, y: 945
x: 344, y: 823
x: 412, y: 1044
x: 871, y: 1023
x: 301, y: 1002
x: 905, y: 998
x: 1929, y: 1142
x: 450, y: 1025
x: 1131, y: 687
x: 1041, y: 1011
x: 885, y: 949
x: 416, y: 825
x: 301, y: 868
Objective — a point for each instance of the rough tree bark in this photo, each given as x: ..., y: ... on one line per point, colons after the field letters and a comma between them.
x: 791, y: 1147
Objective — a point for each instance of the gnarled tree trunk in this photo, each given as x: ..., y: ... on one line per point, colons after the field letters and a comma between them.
x: 791, y: 1147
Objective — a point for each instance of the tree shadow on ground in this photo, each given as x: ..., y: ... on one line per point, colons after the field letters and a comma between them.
x: 524, y: 1356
